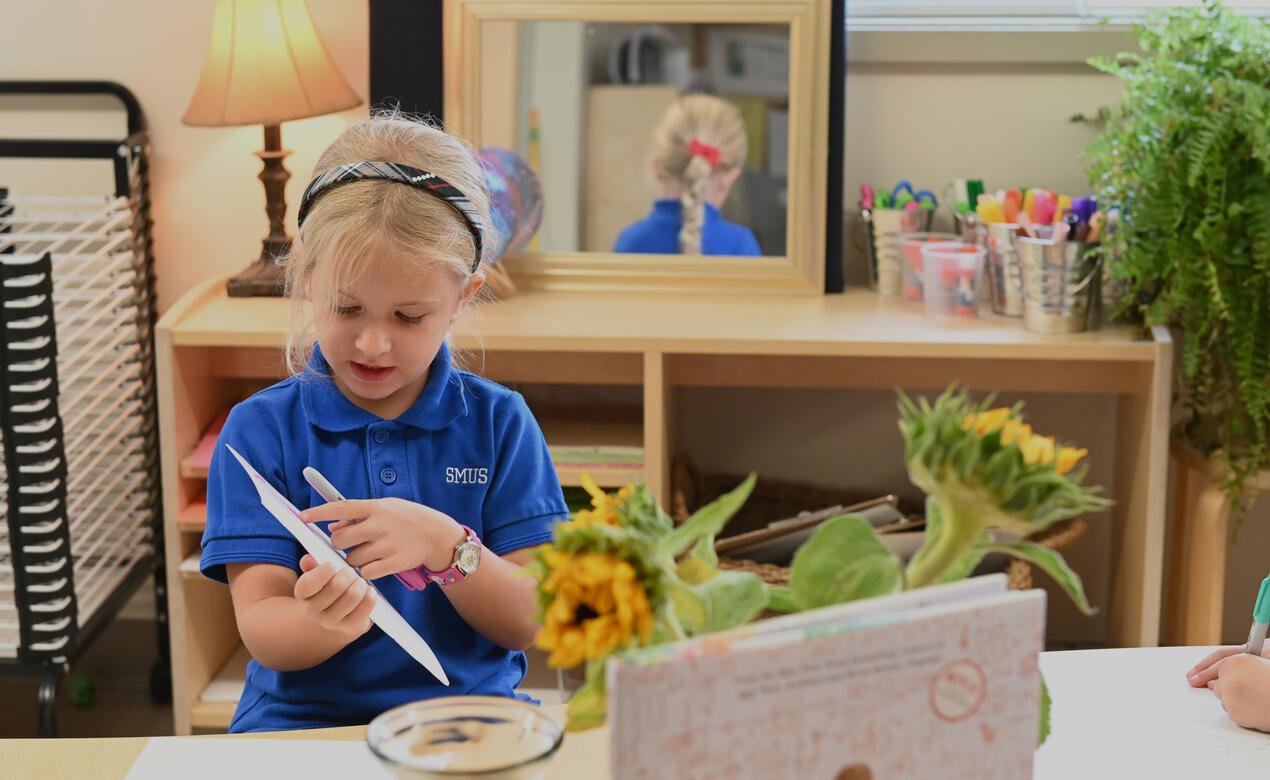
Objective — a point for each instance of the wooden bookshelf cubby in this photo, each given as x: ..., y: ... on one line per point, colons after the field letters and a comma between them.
x: 213, y: 350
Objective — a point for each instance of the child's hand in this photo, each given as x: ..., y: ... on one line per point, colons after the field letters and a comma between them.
x: 1204, y: 672
x: 338, y: 600
x: 386, y: 535
x: 1243, y: 688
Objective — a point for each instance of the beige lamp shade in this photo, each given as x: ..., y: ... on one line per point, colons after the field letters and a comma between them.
x: 266, y: 65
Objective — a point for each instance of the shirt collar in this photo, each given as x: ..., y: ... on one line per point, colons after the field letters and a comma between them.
x: 440, y: 403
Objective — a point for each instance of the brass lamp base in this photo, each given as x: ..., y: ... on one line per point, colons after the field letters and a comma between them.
x: 261, y: 279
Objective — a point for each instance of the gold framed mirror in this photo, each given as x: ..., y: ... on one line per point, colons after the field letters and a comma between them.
x: 578, y: 89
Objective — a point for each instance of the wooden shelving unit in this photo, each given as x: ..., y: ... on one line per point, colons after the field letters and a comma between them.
x: 213, y: 350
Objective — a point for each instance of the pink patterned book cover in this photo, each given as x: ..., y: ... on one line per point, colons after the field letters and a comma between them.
x: 939, y: 687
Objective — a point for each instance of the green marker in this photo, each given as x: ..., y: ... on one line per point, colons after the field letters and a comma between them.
x: 1260, y: 619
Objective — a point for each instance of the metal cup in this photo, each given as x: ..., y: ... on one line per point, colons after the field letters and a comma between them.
x: 1005, y: 276
x: 1058, y: 280
x: 1107, y: 295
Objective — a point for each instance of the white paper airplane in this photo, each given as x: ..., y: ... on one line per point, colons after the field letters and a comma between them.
x: 318, y: 544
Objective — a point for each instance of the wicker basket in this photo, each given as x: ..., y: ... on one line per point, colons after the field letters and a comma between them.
x: 771, y: 500
x: 1057, y: 537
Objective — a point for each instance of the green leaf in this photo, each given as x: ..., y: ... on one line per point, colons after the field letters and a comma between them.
x: 934, y: 529
x: 843, y: 561
x: 690, y: 608
x: 1045, y: 712
x: 586, y: 708
x: 704, y: 551
x: 965, y: 564
x: 706, y: 522
x: 780, y: 599
x: 732, y: 598
x: 695, y: 571
x: 1048, y: 561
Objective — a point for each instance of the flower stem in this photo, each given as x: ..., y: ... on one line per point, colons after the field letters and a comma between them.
x: 957, y: 534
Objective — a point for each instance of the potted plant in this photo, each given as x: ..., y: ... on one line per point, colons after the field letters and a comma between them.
x: 1186, y: 158
x: 621, y: 576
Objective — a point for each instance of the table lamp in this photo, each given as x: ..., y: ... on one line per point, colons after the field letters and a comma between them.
x: 265, y: 65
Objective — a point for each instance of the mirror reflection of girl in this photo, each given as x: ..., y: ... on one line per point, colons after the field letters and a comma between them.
x: 698, y: 150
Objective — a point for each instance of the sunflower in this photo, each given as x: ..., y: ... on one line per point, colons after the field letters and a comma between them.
x: 1037, y: 450
x: 597, y: 604
x: 604, y: 506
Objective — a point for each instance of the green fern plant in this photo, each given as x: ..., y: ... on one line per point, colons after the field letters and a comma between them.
x: 1187, y: 157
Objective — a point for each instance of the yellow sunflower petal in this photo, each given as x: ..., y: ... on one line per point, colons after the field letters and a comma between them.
x: 991, y: 420
x: 597, y: 496
x: 1067, y: 459
x: 570, y: 649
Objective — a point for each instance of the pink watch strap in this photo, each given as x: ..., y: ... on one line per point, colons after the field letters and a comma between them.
x: 412, y: 579
x: 418, y: 579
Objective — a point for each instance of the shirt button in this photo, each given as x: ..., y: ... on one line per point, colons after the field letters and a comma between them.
x: 380, y: 437
x: 388, y: 476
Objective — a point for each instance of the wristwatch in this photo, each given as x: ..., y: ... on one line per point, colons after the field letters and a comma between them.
x: 467, y: 556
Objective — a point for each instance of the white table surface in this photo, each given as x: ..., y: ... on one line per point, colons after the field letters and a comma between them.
x: 1129, y: 713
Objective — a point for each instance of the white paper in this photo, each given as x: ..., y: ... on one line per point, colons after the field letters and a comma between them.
x: 213, y: 758
x: 1131, y: 713
x: 318, y: 544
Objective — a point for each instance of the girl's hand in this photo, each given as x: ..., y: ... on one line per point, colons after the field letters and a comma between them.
x: 386, y: 535
x: 337, y: 600
x: 1204, y: 672
x: 1243, y: 688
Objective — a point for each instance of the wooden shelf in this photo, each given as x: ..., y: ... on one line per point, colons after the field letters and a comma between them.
x: 214, y: 708
x: 197, y: 463
x: 624, y: 437
x: 605, y: 477
x: 855, y: 323
x: 193, y: 518
x: 189, y: 567
x: 210, y: 349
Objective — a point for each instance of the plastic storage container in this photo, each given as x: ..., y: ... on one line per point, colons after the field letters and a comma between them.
x: 913, y: 268
x: 953, y: 275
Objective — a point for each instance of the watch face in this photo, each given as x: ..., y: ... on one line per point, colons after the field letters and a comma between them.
x: 469, y: 555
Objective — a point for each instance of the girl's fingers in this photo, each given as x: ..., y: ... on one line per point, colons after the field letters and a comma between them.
x: 1199, y: 674
x: 351, y: 535
x: 379, y: 568
x: 343, y: 606
x: 364, y: 554
x: 314, y: 580
x: 360, y: 616
x: 338, y: 510
x: 323, y: 599
x: 307, y: 563
x: 1203, y: 676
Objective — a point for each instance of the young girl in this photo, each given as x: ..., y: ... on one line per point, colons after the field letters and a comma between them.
x: 448, y: 472
x: 698, y: 150
x: 1241, y: 683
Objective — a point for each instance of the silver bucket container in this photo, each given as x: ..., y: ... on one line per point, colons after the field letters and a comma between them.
x: 1107, y: 295
x: 1005, y: 275
x: 886, y: 247
x: 1058, y: 283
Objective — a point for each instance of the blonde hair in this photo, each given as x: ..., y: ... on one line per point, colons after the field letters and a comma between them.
x: 356, y: 225
x: 709, y: 120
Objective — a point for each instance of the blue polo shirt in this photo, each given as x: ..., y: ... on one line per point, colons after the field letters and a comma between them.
x: 468, y: 447
x: 658, y: 233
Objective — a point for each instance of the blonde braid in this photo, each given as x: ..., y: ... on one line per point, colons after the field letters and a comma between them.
x: 711, y: 121
x: 696, y: 180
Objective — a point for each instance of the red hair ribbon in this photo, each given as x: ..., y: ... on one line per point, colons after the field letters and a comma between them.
x: 698, y: 149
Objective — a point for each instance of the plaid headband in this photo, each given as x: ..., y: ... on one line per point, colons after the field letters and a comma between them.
x: 403, y: 174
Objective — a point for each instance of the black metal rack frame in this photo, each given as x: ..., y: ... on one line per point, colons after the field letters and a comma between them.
x: 30, y: 541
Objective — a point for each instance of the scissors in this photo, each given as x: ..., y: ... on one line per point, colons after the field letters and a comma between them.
x: 866, y: 196
x: 904, y: 186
